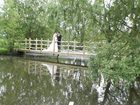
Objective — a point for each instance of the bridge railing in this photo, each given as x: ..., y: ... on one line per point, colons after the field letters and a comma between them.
x: 40, y: 44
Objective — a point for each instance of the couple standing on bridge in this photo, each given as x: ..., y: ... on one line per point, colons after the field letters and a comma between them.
x: 55, y: 45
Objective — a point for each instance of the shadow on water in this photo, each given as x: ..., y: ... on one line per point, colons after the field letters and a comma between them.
x: 26, y: 82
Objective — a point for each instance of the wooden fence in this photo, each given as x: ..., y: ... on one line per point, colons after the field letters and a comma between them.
x: 66, y: 46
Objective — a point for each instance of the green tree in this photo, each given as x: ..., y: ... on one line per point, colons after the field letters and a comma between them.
x: 120, y: 53
x: 10, y: 23
x: 31, y: 18
x: 78, y: 19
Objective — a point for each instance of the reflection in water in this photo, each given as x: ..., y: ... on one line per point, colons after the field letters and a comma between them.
x: 54, y: 71
x: 28, y: 82
x: 99, y: 87
x: 116, y: 92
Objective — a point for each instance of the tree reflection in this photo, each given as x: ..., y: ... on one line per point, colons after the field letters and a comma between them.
x: 33, y: 83
x: 117, y: 92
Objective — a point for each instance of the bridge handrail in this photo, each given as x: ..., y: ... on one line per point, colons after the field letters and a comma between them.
x: 40, y: 44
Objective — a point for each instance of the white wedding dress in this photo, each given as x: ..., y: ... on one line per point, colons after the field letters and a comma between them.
x: 53, y: 47
x: 53, y: 71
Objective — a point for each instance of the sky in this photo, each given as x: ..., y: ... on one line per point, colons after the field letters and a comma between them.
x: 1, y: 2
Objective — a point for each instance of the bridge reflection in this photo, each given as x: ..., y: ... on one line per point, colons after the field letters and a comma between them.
x: 57, y: 72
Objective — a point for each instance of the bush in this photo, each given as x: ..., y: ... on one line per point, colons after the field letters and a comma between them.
x: 3, y: 51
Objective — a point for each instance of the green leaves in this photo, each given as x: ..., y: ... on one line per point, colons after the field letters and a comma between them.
x: 40, y: 18
x: 119, y: 56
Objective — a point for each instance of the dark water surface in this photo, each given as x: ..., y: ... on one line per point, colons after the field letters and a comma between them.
x: 26, y: 82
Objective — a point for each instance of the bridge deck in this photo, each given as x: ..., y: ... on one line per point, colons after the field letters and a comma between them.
x: 66, y: 54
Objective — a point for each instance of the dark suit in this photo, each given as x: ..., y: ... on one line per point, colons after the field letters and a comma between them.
x: 59, y: 41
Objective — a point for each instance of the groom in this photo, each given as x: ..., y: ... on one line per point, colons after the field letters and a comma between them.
x: 59, y: 37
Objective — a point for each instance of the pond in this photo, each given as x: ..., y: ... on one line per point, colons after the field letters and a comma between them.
x: 27, y: 82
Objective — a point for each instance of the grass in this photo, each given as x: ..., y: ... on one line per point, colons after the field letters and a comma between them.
x: 3, y: 51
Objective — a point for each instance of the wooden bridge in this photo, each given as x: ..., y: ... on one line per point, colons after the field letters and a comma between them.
x: 68, y: 48
x: 72, y: 52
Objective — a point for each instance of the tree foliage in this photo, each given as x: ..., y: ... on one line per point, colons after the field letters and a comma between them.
x: 119, y: 55
x: 40, y: 18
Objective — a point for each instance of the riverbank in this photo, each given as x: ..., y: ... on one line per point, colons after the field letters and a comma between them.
x: 3, y: 51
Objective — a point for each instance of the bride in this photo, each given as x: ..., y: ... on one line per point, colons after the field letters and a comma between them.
x: 53, y: 46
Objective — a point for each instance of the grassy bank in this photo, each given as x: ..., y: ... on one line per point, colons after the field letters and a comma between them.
x: 3, y: 51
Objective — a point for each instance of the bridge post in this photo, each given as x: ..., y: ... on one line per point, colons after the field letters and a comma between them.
x: 74, y: 45
x: 68, y: 47
x: 29, y: 44
x: 36, y: 43
x: 84, y: 49
x: 25, y: 47
x: 41, y: 45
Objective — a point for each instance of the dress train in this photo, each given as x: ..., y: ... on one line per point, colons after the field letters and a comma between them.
x: 53, y: 47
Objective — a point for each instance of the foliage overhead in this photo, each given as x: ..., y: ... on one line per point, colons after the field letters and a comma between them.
x: 75, y: 19
x: 118, y: 56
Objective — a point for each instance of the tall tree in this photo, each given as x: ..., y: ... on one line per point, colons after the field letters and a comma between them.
x: 10, y: 22
x: 31, y: 18
x: 78, y: 18
x: 120, y: 54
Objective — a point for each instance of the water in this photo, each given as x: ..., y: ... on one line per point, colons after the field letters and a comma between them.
x: 26, y: 82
